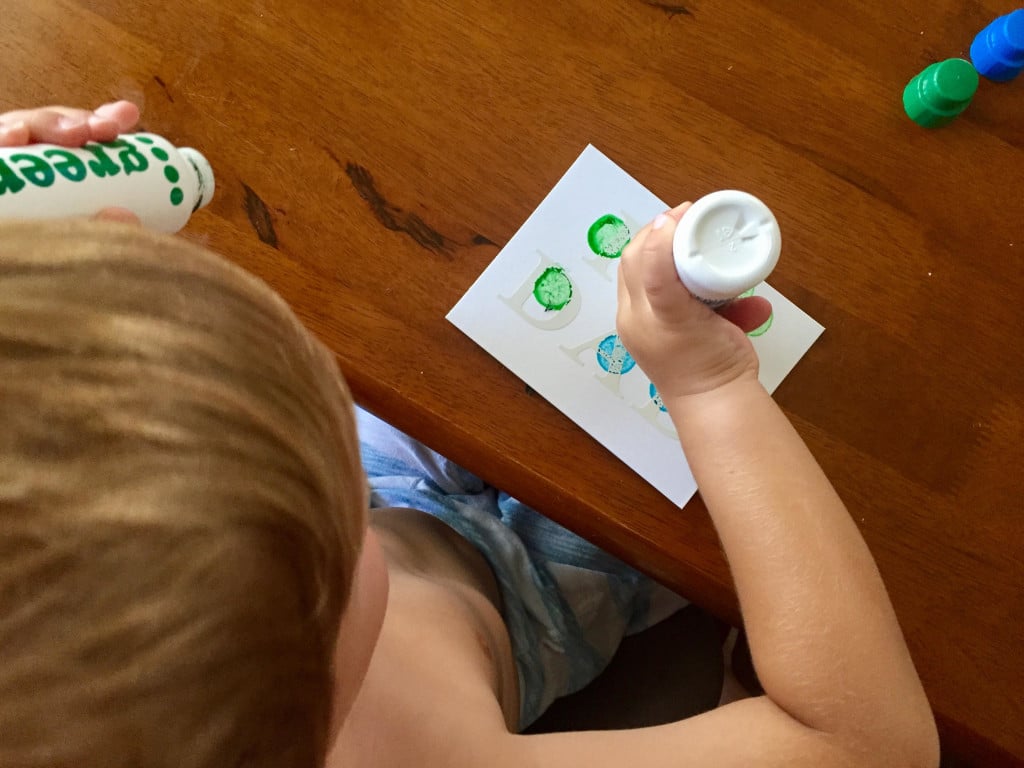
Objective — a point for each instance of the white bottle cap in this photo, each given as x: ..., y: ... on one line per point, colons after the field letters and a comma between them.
x: 726, y: 243
x: 204, y: 173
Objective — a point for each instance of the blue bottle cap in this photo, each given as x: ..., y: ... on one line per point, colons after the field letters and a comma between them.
x: 998, y: 50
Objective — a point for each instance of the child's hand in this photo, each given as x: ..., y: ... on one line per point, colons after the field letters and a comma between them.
x: 682, y: 345
x: 66, y: 126
x: 70, y: 127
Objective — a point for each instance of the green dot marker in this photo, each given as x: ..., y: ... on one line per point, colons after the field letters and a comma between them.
x: 160, y: 154
x: 940, y: 92
x: 171, y: 174
x: 608, y: 236
x: 177, y: 196
x: 553, y: 289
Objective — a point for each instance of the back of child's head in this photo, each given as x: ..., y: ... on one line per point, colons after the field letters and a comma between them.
x: 181, y: 508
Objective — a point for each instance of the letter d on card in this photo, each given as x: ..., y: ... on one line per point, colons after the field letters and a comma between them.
x: 548, y: 298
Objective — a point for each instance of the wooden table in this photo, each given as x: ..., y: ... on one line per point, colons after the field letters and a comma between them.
x: 372, y: 157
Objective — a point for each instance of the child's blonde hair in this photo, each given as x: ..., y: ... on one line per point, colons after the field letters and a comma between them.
x: 181, y: 508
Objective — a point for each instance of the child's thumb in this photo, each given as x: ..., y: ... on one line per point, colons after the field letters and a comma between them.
x: 657, y: 265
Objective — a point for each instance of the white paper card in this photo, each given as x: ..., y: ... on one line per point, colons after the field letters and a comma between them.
x: 545, y: 308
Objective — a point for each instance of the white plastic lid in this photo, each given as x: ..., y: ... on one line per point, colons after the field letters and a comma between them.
x: 726, y: 243
x: 204, y: 172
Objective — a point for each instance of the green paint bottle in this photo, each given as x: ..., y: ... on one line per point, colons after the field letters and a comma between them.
x: 143, y: 173
x: 940, y: 92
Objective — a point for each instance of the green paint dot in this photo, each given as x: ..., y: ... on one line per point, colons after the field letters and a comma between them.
x: 177, y: 196
x: 171, y: 174
x: 553, y: 289
x: 763, y: 329
x: 144, y: 139
x: 160, y: 154
x: 608, y: 236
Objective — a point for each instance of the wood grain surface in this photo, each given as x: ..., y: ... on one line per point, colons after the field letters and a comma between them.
x: 372, y: 157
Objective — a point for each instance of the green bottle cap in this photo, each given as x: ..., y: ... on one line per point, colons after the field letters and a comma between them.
x: 940, y: 92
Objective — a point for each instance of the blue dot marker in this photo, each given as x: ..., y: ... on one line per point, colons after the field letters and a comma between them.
x: 613, y: 357
x: 998, y: 50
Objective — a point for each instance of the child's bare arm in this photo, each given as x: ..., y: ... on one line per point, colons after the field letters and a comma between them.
x: 840, y: 685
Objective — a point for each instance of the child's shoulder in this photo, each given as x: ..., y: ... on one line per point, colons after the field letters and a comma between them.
x: 441, y: 689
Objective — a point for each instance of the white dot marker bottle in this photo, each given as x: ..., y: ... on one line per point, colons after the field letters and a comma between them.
x: 725, y: 244
x: 141, y: 172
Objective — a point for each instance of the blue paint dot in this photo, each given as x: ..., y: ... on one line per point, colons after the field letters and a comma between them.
x: 656, y: 399
x: 613, y: 357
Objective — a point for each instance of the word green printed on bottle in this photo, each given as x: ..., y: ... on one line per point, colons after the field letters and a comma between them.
x: 111, y: 158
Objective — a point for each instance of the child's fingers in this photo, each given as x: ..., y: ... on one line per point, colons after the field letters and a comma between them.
x: 108, y: 121
x: 122, y: 215
x: 621, y: 293
x: 623, y: 304
x: 657, y: 267
x: 51, y: 125
x: 748, y: 313
x: 102, y: 129
x: 14, y: 134
x: 677, y: 212
x: 123, y: 114
x: 628, y: 266
x: 633, y: 266
x: 67, y: 126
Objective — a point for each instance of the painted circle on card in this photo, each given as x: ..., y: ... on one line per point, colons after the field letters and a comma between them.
x: 656, y: 399
x: 608, y: 236
x: 553, y: 289
x: 613, y: 357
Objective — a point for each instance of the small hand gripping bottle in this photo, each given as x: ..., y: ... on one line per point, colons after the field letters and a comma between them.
x: 725, y: 244
x: 141, y: 172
